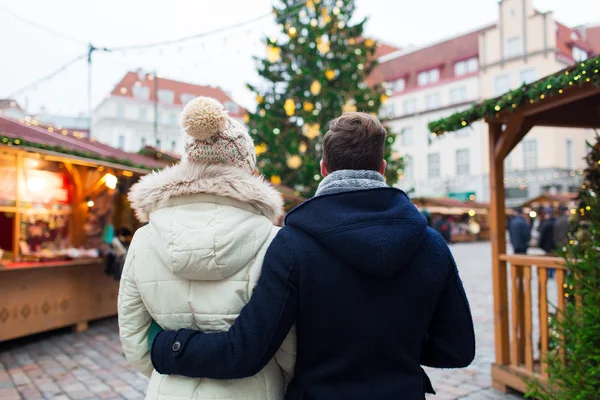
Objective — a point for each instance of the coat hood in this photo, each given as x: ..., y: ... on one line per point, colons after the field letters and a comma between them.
x: 206, y: 222
x: 377, y: 231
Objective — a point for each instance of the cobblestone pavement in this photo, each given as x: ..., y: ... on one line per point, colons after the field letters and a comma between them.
x: 90, y: 365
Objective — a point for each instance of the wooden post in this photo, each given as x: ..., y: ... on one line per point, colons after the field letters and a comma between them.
x: 498, y: 241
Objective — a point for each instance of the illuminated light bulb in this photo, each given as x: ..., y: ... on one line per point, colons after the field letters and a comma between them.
x: 123, y: 90
x: 532, y: 214
x: 472, y: 213
x: 90, y: 203
x: 36, y: 185
x: 110, y: 181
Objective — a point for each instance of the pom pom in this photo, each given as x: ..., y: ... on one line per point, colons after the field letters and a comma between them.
x: 203, y: 118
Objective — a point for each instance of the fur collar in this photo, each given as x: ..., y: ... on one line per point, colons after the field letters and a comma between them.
x: 154, y: 190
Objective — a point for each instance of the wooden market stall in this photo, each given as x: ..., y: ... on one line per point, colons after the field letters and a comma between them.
x: 59, y: 194
x: 569, y: 98
x: 465, y: 212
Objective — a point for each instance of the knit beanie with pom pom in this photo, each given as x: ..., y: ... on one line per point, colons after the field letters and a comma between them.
x: 215, y: 138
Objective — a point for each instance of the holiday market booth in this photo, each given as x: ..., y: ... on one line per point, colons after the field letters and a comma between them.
x: 467, y: 218
x: 62, y: 198
x: 551, y: 200
x: 569, y: 98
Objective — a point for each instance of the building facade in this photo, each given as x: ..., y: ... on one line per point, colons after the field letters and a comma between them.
x: 144, y: 110
x: 434, y: 81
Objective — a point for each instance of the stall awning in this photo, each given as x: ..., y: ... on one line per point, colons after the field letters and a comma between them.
x: 25, y: 135
x: 447, y: 206
x: 545, y: 198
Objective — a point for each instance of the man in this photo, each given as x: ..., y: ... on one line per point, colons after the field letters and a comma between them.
x: 519, y: 232
x: 547, y: 242
x: 444, y: 228
x: 373, y: 291
x: 562, y: 227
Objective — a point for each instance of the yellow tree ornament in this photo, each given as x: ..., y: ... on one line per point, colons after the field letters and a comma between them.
x: 350, y: 106
x: 294, y: 162
x: 260, y: 149
x: 273, y: 54
x: 323, y: 47
x: 369, y: 43
x: 302, y: 147
x: 311, y: 131
x: 259, y: 99
x: 330, y: 74
x: 308, y: 106
x: 290, y: 107
x: 315, y: 88
x: 276, y: 180
x: 246, y: 118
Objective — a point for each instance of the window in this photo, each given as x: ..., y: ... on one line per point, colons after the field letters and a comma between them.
x: 173, y: 145
x: 410, y: 106
x: 173, y: 119
x: 512, y: 12
x: 464, y: 67
x: 141, y: 92
x: 143, y: 114
x: 388, y: 110
x: 433, y: 163
x: 514, y: 47
x: 433, y: 101
x: 516, y: 193
x: 186, y: 98
x: 166, y: 96
x: 528, y: 75
x: 530, y: 154
x: 121, y: 144
x: 231, y: 107
x: 408, y: 168
x: 158, y: 143
x: 407, y: 136
x: 579, y: 54
x: 458, y: 95
x: 121, y: 111
x: 143, y: 142
x: 428, y: 77
x: 399, y: 85
x: 462, y: 162
x: 570, y: 154
x: 501, y: 84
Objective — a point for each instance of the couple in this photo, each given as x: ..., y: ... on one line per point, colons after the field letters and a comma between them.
x: 347, y: 301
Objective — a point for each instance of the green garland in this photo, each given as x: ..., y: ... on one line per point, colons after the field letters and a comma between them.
x: 16, y: 142
x: 553, y: 85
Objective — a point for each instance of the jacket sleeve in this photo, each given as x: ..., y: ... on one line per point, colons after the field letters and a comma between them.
x: 134, y: 320
x: 256, y: 335
x: 286, y: 356
x: 450, y: 341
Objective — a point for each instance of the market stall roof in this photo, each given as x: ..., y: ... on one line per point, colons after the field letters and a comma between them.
x: 439, y: 205
x: 561, y: 198
x: 29, y: 137
x: 576, y: 89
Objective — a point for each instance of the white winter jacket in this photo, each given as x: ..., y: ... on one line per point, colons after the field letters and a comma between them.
x: 194, y: 265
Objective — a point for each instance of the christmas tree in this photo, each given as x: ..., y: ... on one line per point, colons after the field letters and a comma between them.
x: 315, y: 70
x: 574, y: 361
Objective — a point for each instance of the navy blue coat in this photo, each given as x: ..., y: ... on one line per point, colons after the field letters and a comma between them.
x: 520, y: 234
x: 374, y: 293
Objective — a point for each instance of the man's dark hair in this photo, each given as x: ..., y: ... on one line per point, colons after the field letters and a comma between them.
x: 354, y: 141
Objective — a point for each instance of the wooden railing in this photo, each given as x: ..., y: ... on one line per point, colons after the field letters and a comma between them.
x: 529, y: 315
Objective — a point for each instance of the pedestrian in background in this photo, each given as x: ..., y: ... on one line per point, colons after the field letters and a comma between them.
x: 519, y: 232
x: 562, y: 227
x: 547, y: 242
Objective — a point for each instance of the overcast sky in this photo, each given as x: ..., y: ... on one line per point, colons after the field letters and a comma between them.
x: 224, y: 60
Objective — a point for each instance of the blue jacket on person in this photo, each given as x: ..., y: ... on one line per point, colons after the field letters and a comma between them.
x: 374, y: 293
x: 520, y: 234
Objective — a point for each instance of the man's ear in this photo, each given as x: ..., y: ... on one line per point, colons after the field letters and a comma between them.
x: 324, y: 171
x: 383, y: 167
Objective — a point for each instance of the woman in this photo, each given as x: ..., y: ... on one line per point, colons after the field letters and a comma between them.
x: 210, y: 221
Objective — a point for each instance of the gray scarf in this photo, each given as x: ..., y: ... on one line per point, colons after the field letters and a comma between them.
x: 348, y: 180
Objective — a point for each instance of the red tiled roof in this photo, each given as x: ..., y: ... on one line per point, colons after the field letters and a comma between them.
x: 593, y: 38
x: 178, y: 88
x: 445, y: 202
x: 35, y: 134
x: 442, y: 55
x: 565, y: 41
x: 384, y: 49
